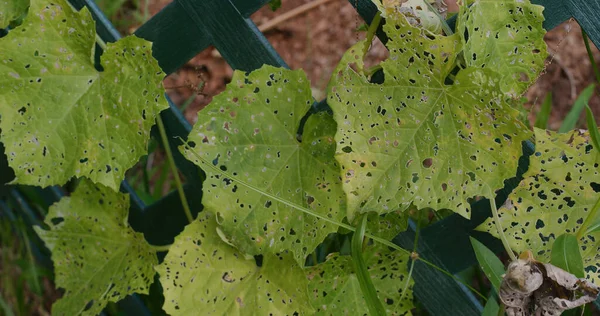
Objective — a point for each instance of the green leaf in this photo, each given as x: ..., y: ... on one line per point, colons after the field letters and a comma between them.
x: 11, y: 10
x: 491, y: 307
x: 335, y: 290
x: 556, y: 196
x: 250, y: 131
x: 573, y: 116
x: 416, y: 139
x: 489, y: 262
x: 203, y: 274
x: 566, y: 255
x: 60, y: 117
x: 592, y: 127
x: 541, y: 121
x: 97, y: 257
x: 387, y: 226
x: 362, y: 272
x: 506, y: 35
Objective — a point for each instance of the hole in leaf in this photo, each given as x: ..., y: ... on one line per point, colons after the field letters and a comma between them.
x: 595, y: 186
x: 427, y: 162
x: 57, y: 220
x: 347, y: 149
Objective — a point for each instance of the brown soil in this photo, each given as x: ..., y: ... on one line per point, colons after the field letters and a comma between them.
x: 315, y: 42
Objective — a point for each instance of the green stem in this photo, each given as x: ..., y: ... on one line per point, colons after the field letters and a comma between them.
x: 588, y: 220
x: 445, y: 25
x: 100, y: 42
x: 165, y: 141
x: 371, y: 32
x: 362, y: 272
x: 511, y: 254
x: 163, y: 248
x: 326, y: 219
x: 590, y: 55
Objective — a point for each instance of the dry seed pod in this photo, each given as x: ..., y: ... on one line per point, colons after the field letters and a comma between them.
x: 530, y: 287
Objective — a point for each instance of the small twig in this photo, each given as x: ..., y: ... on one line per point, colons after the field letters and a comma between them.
x: 556, y: 58
x: 290, y: 14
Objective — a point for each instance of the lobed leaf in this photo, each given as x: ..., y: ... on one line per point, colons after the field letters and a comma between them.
x: 335, y: 290
x: 507, y: 36
x: 250, y: 132
x: 59, y: 116
x: 202, y: 274
x: 415, y: 138
x: 11, y: 10
x: 556, y: 196
x: 97, y: 257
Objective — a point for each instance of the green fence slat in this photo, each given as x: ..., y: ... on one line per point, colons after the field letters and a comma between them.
x: 584, y: 11
x: 235, y: 37
x: 178, y: 38
x: 175, y: 37
x: 438, y: 293
x: 247, y: 7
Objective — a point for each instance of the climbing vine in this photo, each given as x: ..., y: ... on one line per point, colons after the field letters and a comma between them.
x: 436, y: 125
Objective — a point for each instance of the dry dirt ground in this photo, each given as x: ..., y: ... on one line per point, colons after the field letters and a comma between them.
x: 316, y: 40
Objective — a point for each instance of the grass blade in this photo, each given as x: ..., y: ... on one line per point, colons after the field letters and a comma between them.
x: 566, y: 255
x: 592, y: 127
x: 362, y: 273
x: 573, y: 116
x: 491, y: 308
x: 489, y: 262
x: 541, y: 121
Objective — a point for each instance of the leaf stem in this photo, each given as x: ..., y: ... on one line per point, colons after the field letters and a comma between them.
x: 165, y: 141
x: 445, y: 25
x: 588, y: 220
x: 100, y: 42
x: 326, y: 219
x: 362, y: 272
x: 371, y: 32
x: 590, y: 55
x: 162, y: 248
x: 511, y: 254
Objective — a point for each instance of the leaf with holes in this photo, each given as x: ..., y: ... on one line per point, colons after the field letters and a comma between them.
x: 250, y: 132
x: 334, y: 287
x: 505, y: 35
x: 417, y: 138
x: 203, y: 273
x: 59, y: 116
x: 11, y: 10
x: 97, y: 257
x: 555, y: 197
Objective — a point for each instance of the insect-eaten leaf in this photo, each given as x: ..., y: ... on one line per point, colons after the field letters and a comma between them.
x: 201, y: 274
x: 250, y: 133
x: 434, y: 133
x: 60, y: 117
x: 530, y: 287
x: 557, y: 195
x: 97, y: 256
x: 11, y: 10
x: 335, y: 290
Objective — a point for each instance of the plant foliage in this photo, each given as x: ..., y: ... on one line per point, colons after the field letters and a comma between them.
x: 59, y: 116
x: 441, y: 128
x: 98, y: 258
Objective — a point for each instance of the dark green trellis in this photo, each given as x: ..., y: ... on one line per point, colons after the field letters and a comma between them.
x: 186, y: 27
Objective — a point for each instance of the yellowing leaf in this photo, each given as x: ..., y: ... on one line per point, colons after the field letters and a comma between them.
x: 250, y: 132
x: 97, y: 257
x: 507, y: 36
x: 335, y: 290
x: 202, y: 274
x: 555, y: 197
x: 418, y: 137
x: 59, y: 116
